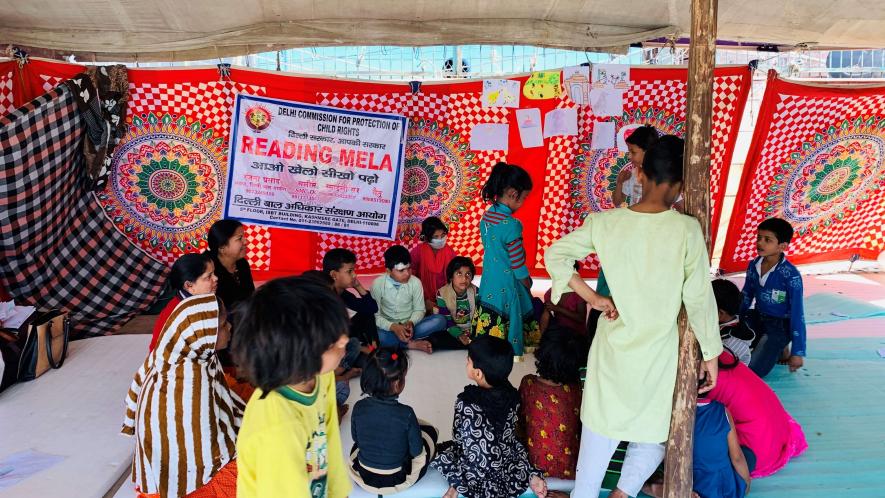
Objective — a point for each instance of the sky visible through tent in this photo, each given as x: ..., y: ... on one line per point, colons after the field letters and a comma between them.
x: 479, y: 61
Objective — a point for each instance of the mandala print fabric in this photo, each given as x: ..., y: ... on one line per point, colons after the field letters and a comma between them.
x: 816, y: 161
x: 581, y: 180
x: 168, y: 174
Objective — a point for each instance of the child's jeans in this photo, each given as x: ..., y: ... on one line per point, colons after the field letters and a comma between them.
x: 351, y: 353
x: 423, y: 329
x: 774, y: 337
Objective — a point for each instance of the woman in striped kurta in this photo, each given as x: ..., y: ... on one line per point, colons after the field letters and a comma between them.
x: 504, y: 303
x: 181, y: 411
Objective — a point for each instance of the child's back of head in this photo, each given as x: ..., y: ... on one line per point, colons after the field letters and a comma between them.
x: 728, y: 296
x: 494, y: 357
x: 385, y: 373
x: 560, y: 356
x: 284, y: 329
x: 663, y: 160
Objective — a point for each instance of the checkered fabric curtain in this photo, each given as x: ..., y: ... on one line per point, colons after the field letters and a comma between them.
x: 58, y: 249
x: 817, y: 160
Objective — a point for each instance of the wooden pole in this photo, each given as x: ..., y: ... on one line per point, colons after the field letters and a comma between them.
x: 696, y: 187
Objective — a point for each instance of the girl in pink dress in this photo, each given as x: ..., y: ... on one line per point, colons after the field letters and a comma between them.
x: 762, y: 423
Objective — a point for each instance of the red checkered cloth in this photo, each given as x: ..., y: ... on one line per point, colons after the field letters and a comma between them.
x: 58, y: 250
x: 816, y: 161
x: 7, y: 104
x: 581, y: 180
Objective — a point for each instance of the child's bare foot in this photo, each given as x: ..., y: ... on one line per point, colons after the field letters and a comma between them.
x: 655, y: 490
x: 450, y: 493
x: 342, y: 411
x: 421, y: 345
x: 538, y: 486
x: 617, y: 493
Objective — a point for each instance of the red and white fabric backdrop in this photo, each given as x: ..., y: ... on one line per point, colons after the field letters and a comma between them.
x: 581, y: 180
x: 169, y: 170
x: 817, y: 161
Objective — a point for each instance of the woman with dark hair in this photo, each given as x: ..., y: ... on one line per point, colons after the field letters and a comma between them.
x: 191, y: 275
x: 227, y: 248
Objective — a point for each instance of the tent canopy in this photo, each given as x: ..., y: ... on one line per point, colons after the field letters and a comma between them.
x: 173, y: 30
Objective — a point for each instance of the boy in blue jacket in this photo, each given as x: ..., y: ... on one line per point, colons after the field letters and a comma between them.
x: 775, y: 286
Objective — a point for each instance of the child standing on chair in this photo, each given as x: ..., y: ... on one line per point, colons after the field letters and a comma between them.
x: 505, y: 301
x: 401, y: 308
x: 291, y: 335
x: 485, y: 459
x: 391, y: 448
x: 774, y: 285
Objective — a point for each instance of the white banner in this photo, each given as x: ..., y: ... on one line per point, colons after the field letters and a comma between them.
x: 317, y: 168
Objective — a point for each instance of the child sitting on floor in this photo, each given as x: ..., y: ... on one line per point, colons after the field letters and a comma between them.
x: 291, y: 335
x: 401, y: 308
x: 551, y: 403
x: 735, y: 334
x: 340, y: 264
x: 775, y: 286
x: 456, y: 301
x: 769, y: 435
x: 485, y: 459
x: 431, y: 257
x: 391, y: 450
x: 570, y: 312
x: 720, y: 468
x: 346, y: 370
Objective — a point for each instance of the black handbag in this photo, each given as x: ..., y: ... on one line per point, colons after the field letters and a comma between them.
x: 39, y: 344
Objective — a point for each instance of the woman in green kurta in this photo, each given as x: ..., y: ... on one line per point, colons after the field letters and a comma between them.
x: 655, y: 261
x: 504, y: 307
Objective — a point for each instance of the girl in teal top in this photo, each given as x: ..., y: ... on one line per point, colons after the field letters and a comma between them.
x: 504, y: 303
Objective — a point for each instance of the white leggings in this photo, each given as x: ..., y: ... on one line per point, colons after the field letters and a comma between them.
x: 640, y: 462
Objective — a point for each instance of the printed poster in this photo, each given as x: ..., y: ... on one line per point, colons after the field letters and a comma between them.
x: 316, y: 168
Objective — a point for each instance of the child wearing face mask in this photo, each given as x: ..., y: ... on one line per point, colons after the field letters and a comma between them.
x: 431, y: 257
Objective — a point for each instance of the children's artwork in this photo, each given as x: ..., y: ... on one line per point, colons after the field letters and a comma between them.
x: 542, y: 85
x: 623, y: 133
x: 606, y: 102
x: 603, y: 135
x: 529, y: 122
x: 489, y: 136
x: 500, y: 93
x: 611, y: 76
x: 561, y: 122
x: 576, y: 84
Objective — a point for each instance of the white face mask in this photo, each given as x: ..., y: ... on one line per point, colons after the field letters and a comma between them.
x: 438, y: 243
